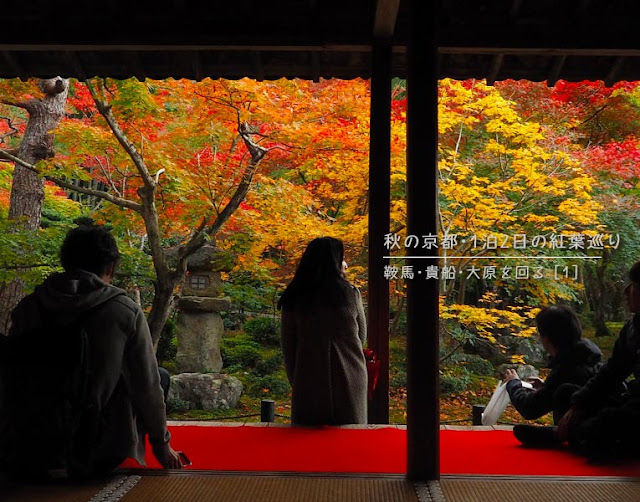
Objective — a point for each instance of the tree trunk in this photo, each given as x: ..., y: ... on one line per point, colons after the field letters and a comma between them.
x: 167, y: 278
x: 161, y: 307
x: 398, y: 312
x: 27, y: 190
x: 462, y: 291
x: 597, y: 290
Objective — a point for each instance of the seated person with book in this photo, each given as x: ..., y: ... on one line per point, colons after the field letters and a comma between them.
x: 573, y: 360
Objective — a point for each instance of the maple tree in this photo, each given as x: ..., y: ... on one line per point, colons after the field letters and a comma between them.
x: 170, y: 152
x: 503, y: 173
x: 517, y: 158
x: 602, y: 123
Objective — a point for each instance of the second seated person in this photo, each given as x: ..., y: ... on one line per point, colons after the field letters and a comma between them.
x: 323, y: 334
x: 573, y: 359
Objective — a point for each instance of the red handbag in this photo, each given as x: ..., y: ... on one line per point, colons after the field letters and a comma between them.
x: 373, y: 370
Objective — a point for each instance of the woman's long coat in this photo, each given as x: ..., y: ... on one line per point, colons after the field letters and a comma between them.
x: 325, y: 364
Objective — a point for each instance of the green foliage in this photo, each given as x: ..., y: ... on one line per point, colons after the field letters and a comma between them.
x: 398, y: 378
x: 168, y: 342
x: 59, y: 209
x: 454, y: 379
x: 248, y: 294
x: 474, y: 364
x: 132, y: 99
x: 397, y: 362
x: 269, y: 365
x: 177, y: 406
x: 135, y: 267
x: 28, y: 255
x: 239, y: 353
x: 233, y: 319
x: 275, y: 385
x: 263, y: 330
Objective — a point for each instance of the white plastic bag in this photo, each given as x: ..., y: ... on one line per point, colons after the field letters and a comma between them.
x: 498, y: 403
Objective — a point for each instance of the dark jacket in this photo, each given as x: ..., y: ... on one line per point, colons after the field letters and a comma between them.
x: 125, y: 384
x: 322, y: 347
x: 624, y: 361
x: 575, y: 365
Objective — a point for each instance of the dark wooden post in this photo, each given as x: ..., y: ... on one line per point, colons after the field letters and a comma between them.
x: 379, y: 211
x: 423, y: 408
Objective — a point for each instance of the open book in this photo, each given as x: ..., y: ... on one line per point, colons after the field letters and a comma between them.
x: 498, y: 403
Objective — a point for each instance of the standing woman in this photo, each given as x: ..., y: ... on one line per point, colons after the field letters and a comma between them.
x: 323, y: 333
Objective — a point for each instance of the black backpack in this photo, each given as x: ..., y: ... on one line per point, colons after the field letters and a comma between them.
x: 48, y: 429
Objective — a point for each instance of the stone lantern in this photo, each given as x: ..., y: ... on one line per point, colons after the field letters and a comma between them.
x: 199, y: 331
x: 199, y: 324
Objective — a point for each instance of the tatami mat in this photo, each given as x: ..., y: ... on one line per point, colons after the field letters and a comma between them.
x: 226, y: 488
x: 270, y: 489
x: 296, y: 487
x: 507, y: 489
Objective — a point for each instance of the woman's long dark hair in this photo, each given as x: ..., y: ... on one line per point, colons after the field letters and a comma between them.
x: 319, y: 273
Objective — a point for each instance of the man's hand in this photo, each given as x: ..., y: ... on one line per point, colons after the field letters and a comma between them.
x: 510, y: 374
x: 169, y: 458
x: 569, y: 419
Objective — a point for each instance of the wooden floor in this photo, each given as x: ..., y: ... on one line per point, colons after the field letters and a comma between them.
x: 195, y: 486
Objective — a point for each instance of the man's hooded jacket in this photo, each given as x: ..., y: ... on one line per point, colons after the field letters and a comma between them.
x: 125, y: 384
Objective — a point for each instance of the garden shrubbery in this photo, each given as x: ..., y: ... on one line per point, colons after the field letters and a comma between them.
x: 474, y: 364
x: 259, y: 366
x: 275, y: 385
x: 239, y: 352
x: 263, y: 330
x: 269, y: 365
x: 454, y: 379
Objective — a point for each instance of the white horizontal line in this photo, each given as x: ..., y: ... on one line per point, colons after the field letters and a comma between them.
x: 501, y: 257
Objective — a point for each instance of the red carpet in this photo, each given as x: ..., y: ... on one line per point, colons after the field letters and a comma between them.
x: 328, y: 449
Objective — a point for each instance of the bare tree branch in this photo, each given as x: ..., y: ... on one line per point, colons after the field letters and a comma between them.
x: 27, y: 105
x: 13, y: 130
x: 105, y: 110
x: 118, y: 201
x: 70, y: 186
x: 257, y: 153
x: 107, y: 175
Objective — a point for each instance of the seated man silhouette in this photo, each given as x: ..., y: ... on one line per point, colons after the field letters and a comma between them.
x: 573, y: 360
x: 124, y: 383
x: 603, y: 416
